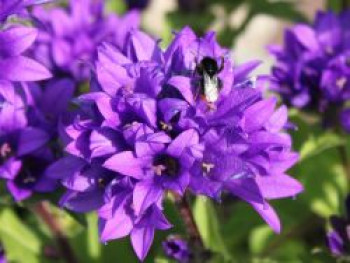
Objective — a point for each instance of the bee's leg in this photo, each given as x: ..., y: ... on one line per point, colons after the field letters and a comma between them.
x: 199, y: 90
x: 222, y: 65
x: 220, y: 84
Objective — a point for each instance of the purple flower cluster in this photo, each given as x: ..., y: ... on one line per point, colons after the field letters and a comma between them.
x: 313, y: 68
x: 180, y: 120
x: 68, y: 37
x: 177, y: 248
x: 24, y: 129
x: 28, y: 126
x: 339, y: 237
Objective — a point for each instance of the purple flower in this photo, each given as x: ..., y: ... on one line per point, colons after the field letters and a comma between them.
x: 28, y: 122
x: 177, y: 248
x: 338, y: 238
x: 312, y: 69
x: 68, y: 37
x: 153, y: 124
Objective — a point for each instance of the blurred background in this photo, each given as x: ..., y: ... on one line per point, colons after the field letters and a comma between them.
x: 247, y: 26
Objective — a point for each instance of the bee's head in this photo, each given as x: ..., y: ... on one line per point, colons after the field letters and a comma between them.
x: 210, y: 66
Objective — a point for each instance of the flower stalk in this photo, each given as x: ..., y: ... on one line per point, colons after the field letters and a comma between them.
x: 43, y: 211
x: 195, y: 240
x: 345, y: 161
x: 345, y: 4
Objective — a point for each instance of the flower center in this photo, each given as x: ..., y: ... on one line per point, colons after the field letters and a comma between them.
x: 166, y: 164
x: 341, y: 82
x: 5, y: 152
x: 329, y: 50
x: 32, y: 170
x: 207, y: 167
x: 174, y: 247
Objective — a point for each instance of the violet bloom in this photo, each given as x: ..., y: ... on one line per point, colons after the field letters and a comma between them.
x: 338, y: 238
x: 177, y: 248
x: 28, y: 123
x: 312, y: 69
x: 145, y: 129
x: 68, y: 37
x: 246, y: 150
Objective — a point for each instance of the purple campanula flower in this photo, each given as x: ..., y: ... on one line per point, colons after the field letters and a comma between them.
x: 177, y: 248
x: 180, y: 120
x: 29, y: 114
x: 68, y: 37
x: 338, y: 238
x: 312, y: 69
x: 28, y: 124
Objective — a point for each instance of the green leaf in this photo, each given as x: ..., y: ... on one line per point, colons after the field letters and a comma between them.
x: 208, y: 225
x: 199, y: 21
x: 116, y: 6
x: 259, y: 237
x: 92, y: 241
x: 317, y: 144
x: 334, y: 5
x: 285, y: 10
x: 21, y: 244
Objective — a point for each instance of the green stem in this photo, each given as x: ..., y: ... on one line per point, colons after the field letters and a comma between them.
x: 345, y: 162
x: 308, y: 226
x: 200, y: 254
x: 42, y: 209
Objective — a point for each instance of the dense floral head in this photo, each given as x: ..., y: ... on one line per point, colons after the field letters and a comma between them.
x: 312, y: 70
x: 68, y: 37
x: 177, y: 248
x: 180, y: 120
x: 339, y: 237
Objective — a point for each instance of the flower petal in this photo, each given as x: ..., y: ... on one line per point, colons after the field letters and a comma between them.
x: 141, y: 239
x: 145, y: 194
x: 14, y: 41
x: 278, y: 186
x: 125, y: 163
x: 31, y: 139
x: 22, y: 69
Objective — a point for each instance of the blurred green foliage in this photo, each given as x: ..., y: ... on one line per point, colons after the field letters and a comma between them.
x: 201, y: 16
